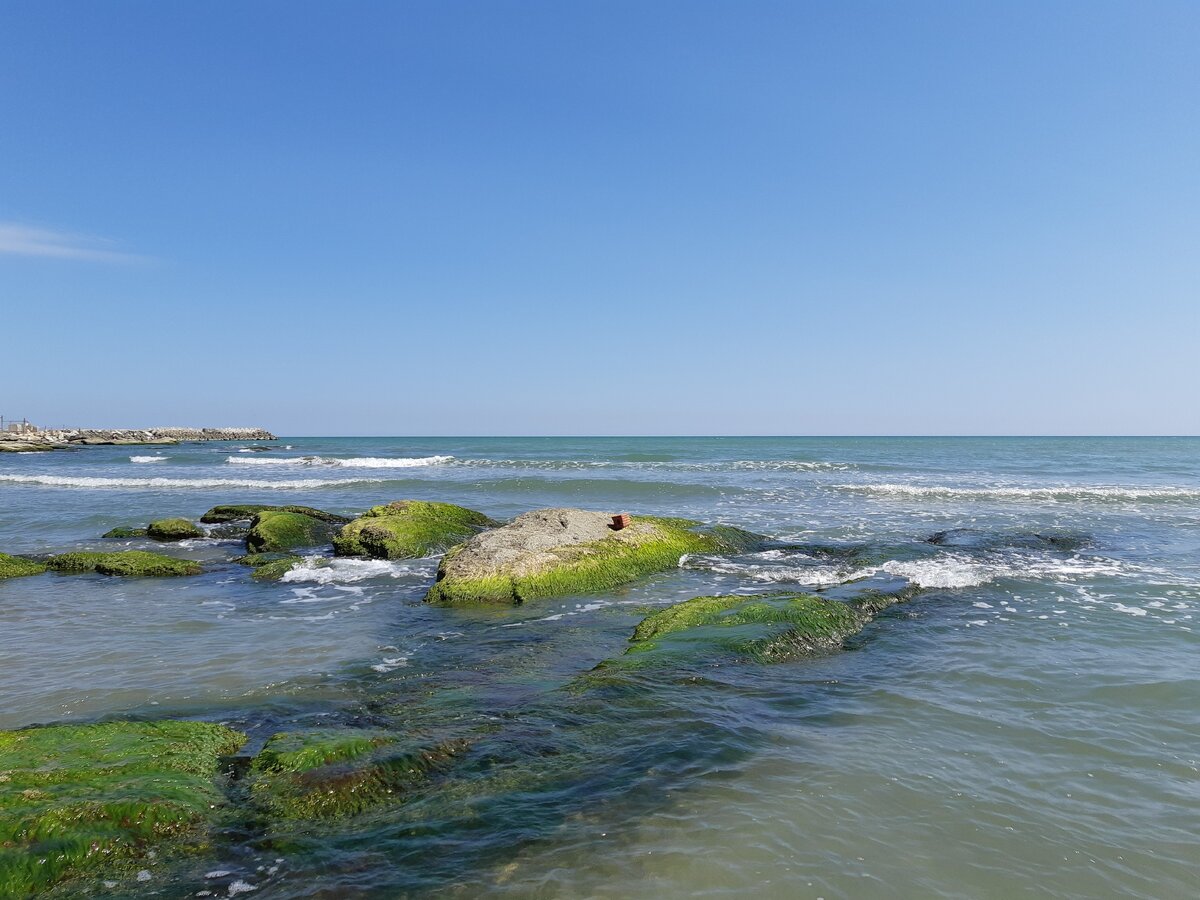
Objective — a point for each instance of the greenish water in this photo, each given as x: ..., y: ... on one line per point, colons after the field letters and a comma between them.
x: 1027, y: 725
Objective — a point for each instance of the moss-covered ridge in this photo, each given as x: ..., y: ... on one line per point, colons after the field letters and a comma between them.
x: 334, y: 773
x: 123, y: 562
x: 405, y: 529
x: 173, y: 530
x: 277, y: 530
x: 553, y: 552
x: 762, y: 628
x: 243, y: 512
x: 125, y: 531
x: 87, y: 799
x: 16, y: 567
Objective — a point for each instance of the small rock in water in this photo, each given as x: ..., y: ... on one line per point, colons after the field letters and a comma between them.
x: 241, y: 887
x: 110, y: 884
x: 217, y: 873
x: 144, y: 875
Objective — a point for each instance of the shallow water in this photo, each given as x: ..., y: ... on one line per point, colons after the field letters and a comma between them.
x: 1027, y: 724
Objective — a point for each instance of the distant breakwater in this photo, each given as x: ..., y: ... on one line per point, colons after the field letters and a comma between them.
x: 53, y: 439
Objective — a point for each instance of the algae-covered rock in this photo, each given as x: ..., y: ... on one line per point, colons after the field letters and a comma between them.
x: 275, y: 569
x: 762, y: 628
x: 173, y: 530
x: 408, y: 528
x: 93, y: 799
x: 123, y: 562
x: 219, y: 515
x: 275, y: 530
x: 124, y: 531
x: 550, y: 552
x: 16, y: 567
x: 333, y: 773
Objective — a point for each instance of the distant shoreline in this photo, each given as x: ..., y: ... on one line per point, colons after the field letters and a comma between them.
x: 35, y: 440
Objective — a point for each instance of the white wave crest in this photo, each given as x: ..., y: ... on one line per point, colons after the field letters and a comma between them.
x: 356, y: 462
x: 347, y: 571
x: 951, y: 571
x: 1063, y: 492
x: 184, y: 483
x: 148, y: 459
x: 815, y: 576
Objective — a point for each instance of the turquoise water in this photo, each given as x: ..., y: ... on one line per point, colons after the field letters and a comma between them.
x: 1028, y: 725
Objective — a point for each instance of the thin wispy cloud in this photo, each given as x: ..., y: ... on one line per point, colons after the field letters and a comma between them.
x: 17, y: 239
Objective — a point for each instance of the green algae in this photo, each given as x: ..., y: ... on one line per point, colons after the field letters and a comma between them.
x: 335, y: 773
x: 275, y: 530
x: 90, y: 799
x: 173, y: 530
x: 593, y: 566
x: 16, y: 567
x: 124, y: 531
x: 225, y: 513
x: 273, y: 570
x: 760, y: 628
x: 123, y: 562
x: 406, y: 529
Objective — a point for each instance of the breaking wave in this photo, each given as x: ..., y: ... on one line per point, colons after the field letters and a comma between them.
x: 357, y: 462
x: 91, y: 482
x: 148, y: 459
x: 349, y: 571
x: 1060, y: 493
x: 948, y: 571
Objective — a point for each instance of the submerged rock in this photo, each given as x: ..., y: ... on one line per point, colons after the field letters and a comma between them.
x: 245, y: 511
x: 333, y: 773
x: 762, y: 628
x: 90, y: 799
x: 173, y: 530
x: 274, y: 530
x: 406, y: 529
x: 274, y: 569
x: 550, y: 552
x: 123, y: 562
x: 124, y: 531
x: 16, y: 567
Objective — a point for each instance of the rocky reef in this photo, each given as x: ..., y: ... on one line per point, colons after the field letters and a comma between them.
x: 173, y: 530
x: 333, y: 773
x: 78, y: 799
x: 15, y: 566
x: 405, y: 529
x: 277, y: 530
x: 551, y: 552
x: 123, y: 562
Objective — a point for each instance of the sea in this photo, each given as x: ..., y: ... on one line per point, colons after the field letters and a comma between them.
x: 1027, y: 724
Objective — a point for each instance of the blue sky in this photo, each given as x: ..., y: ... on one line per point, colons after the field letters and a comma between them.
x: 595, y: 218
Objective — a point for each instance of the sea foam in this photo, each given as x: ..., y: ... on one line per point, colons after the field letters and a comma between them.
x: 356, y: 462
x: 1062, y: 492
x: 95, y: 482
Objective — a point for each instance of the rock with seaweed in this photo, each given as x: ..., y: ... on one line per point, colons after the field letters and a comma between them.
x: 92, y: 800
x: 123, y: 562
x: 405, y: 529
x: 277, y: 530
x: 244, y: 512
x: 275, y: 569
x: 338, y: 772
x: 552, y: 552
x: 16, y: 567
x: 173, y: 530
x: 760, y: 628
x: 125, y: 531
